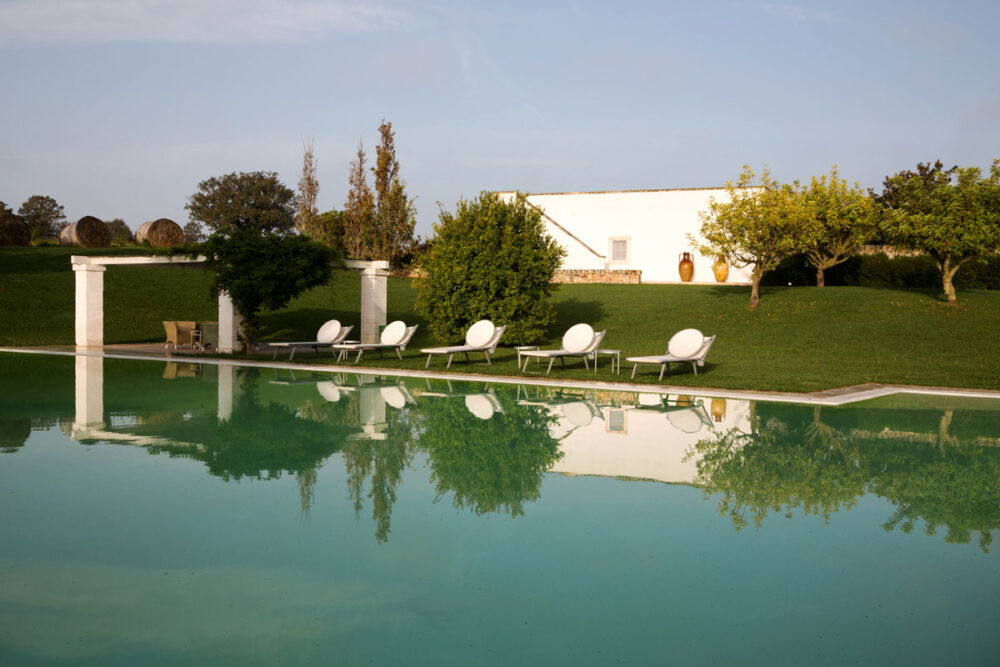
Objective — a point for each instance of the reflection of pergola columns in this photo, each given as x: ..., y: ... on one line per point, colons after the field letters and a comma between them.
x: 227, y: 391
x: 372, y: 412
x: 89, y: 393
x: 89, y: 304
x: 374, y: 279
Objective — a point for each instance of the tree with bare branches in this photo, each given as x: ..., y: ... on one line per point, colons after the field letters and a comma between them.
x: 307, y: 215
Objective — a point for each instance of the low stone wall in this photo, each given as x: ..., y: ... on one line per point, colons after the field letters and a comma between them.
x: 609, y: 276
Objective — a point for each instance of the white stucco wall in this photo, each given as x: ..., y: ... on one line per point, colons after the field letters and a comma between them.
x: 655, y: 222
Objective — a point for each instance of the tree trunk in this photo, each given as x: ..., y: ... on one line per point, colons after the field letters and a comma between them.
x: 947, y: 273
x: 819, y: 277
x: 754, y: 292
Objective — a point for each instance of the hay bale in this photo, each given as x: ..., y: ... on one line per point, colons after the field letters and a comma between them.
x: 87, y: 232
x: 14, y: 230
x: 162, y: 233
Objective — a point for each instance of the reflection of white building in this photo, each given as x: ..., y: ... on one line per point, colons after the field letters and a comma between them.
x: 639, y: 229
x: 645, y: 441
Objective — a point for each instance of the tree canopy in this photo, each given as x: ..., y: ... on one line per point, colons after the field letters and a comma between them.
x: 490, y: 259
x: 758, y: 226
x: 44, y: 215
x: 953, y: 215
x: 378, y: 224
x: 245, y: 200
x: 842, y: 219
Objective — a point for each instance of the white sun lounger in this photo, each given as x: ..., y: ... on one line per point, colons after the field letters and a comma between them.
x: 687, y: 346
x: 328, y: 335
x: 483, y: 336
x: 395, y: 336
x: 578, y: 341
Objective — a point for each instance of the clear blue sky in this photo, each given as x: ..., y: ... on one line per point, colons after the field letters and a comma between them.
x: 118, y: 108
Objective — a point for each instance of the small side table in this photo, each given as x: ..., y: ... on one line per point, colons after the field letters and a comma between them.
x: 616, y: 359
x: 523, y: 348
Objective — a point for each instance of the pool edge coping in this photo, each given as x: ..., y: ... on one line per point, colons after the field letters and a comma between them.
x: 826, y: 397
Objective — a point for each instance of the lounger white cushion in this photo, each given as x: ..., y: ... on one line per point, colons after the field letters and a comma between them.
x: 578, y: 338
x: 685, y: 343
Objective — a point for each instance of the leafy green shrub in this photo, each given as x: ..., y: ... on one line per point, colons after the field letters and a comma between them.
x: 490, y: 259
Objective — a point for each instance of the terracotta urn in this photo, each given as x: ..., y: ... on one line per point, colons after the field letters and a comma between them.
x: 720, y: 269
x: 718, y: 409
x: 686, y: 267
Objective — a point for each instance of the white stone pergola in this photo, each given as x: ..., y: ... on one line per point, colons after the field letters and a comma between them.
x: 90, y: 296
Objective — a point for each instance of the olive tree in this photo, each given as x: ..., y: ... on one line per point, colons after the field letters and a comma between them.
x: 953, y: 215
x: 490, y: 259
x: 843, y: 219
x: 758, y: 226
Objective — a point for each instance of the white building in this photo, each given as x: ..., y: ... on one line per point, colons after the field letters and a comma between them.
x: 639, y: 229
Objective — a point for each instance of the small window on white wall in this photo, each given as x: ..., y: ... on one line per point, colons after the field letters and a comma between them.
x: 620, y: 250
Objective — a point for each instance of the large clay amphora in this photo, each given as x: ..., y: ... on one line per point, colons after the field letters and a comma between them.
x: 686, y: 267
x: 720, y: 269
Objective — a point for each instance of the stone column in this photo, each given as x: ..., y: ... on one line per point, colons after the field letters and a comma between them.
x: 89, y: 393
x: 374, y: 281
x: 229, y: 324
x: 89, y: 305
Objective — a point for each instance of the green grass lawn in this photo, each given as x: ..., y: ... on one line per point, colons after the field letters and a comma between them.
x: 800, y: 338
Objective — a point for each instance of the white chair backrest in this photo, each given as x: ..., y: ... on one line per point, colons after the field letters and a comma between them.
x: 598, y: 337
x: 344, y: 332
x: 480, y: 333
x: 407, y: 336
x: 328, y: 332
x: 685, y: 343
x: 496, y: 337
x: 578, y: 338
x: 393, y: 333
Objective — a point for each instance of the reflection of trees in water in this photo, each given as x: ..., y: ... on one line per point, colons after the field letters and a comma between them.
x: 382, y: 462
x: 489, y: 465
x: 13, y: 434
x: 261, y: 440
x: 791, y: 460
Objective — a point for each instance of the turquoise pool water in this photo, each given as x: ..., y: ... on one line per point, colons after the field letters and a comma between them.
x: 176, y: 514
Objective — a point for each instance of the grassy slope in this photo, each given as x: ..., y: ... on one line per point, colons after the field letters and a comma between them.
x: 799, y: 339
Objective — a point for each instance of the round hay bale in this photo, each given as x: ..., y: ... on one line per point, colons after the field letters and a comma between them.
x: 162, y: 233
x: 87, y: 232
x: 14, y: 230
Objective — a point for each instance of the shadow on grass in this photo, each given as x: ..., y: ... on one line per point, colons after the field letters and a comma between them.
x: 573, y: 311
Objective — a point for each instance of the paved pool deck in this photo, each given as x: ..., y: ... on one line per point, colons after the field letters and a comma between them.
x: 831, y: 397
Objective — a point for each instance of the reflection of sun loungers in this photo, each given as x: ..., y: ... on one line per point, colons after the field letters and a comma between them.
x: 482, y: 404
x: 684, y: 413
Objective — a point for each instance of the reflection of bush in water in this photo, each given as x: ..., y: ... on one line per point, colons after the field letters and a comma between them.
x: 13, y: 434
x: 262, y: 441
x: 488, y: 464
x: 808, y: 464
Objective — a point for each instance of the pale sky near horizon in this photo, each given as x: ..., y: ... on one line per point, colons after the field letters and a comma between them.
x: 119, y: 108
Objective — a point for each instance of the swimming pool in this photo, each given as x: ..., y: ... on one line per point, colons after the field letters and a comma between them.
x: 166, y: 513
